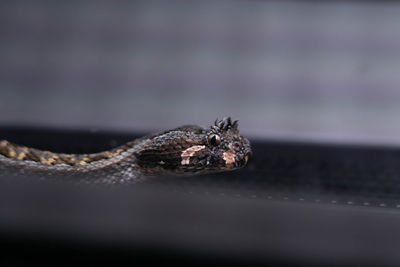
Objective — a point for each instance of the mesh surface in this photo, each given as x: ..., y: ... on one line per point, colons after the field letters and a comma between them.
x: 337, y: 174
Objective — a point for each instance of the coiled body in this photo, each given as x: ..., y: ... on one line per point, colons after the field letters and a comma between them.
x: 184, y: 150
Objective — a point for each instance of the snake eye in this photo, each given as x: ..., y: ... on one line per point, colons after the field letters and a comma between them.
x: 214, y: 139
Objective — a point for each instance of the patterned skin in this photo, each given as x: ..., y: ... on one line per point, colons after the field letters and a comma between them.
x: 185, y: 150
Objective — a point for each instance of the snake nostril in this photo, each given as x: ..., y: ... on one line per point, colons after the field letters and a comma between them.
x: 236, y: 145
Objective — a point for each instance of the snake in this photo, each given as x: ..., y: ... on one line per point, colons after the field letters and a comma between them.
x: 186, y: 150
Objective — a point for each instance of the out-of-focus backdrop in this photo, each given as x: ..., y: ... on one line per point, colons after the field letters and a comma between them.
x: 287, y: 69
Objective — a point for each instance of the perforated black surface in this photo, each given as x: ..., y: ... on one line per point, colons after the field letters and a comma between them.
x: 294, y: 203
x: 337, y: 174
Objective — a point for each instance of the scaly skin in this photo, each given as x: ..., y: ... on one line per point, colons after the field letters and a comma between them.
x: 185, y: 150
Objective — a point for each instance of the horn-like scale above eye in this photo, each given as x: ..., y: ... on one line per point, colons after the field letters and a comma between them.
x: 214, y: 139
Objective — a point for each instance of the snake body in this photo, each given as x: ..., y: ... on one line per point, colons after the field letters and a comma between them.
x: 185, y: 150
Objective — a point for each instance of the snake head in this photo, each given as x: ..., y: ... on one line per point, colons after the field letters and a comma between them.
x: 225, y: 148
x: 195, y: 150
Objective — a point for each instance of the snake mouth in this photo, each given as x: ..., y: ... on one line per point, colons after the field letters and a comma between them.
x: 243, y: 162
x: 246, y: 158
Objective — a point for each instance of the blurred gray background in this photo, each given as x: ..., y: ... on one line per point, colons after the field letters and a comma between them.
x: 287, y: 69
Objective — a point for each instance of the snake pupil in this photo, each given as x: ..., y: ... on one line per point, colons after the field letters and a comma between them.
x: 214, y: 139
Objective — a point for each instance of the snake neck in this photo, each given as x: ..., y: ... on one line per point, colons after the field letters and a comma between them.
x: 22, y: 153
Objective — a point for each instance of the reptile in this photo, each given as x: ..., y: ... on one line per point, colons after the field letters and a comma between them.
x: 185, y: 150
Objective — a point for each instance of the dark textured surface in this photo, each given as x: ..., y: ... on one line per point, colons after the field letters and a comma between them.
x: 313, y: 172
x: 294, y: 203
